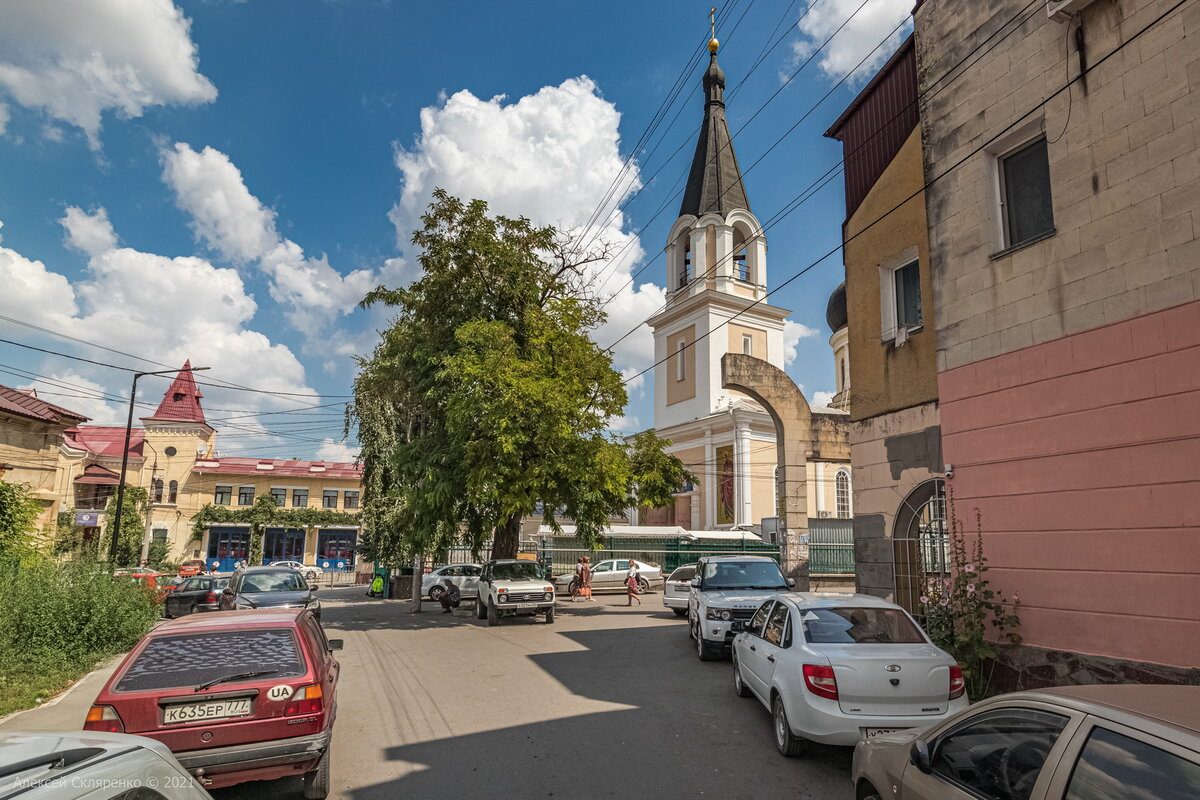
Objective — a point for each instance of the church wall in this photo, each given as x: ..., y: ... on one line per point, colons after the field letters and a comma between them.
x: 758, y: 337
x: 680, y: 390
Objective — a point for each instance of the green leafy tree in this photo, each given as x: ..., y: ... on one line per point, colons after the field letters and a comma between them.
x: 486, y: 398
x: 19, y: 512
x: 133, y: 525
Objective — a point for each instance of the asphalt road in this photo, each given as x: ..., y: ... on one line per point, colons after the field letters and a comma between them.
x: 608, y: 702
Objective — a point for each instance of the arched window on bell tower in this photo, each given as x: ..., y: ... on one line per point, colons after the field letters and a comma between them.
x: 685, y: 263
x: 741, y: 266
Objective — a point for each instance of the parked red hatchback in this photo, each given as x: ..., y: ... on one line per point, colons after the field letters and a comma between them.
x: 237, y: 696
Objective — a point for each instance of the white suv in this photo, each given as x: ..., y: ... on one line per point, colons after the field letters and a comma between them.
x: 514, y: 588
x: 725, y: 593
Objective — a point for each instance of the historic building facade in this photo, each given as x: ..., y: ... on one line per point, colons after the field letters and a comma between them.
x: 174, y: 456
x: 1064, y: 207
x: 716, y: 256
x: 886, y: 312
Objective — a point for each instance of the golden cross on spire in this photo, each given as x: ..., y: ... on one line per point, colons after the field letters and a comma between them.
x: 712, y: 28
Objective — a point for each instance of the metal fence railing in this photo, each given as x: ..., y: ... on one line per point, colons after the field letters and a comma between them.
x: 830, y: 547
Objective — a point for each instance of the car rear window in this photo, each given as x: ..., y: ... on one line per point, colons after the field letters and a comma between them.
x: 846, y: 625
x: 171, y: 662
x: 288, y: 581
x: 683, y: 573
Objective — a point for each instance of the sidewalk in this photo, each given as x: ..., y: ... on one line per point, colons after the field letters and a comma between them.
x: 66, y: 711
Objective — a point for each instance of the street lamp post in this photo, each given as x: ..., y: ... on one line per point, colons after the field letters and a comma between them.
x: 112, y: 546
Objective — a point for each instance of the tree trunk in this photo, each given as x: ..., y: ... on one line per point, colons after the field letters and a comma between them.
x: 507, y: 538
x: 418, y: 573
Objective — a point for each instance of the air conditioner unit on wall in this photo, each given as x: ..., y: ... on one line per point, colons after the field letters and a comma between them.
x: 1063, y: 10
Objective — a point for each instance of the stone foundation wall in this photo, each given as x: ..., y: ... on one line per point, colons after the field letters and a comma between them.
x: 1024, y: 667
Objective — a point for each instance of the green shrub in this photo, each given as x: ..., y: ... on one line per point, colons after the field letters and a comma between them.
x: 57, y: 621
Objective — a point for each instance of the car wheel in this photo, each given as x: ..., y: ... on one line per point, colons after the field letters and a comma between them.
x: 493, y: 616
x: 572, y: 587
x: 550, y: 616
x: 787, y: 743
x: 691, y: 626
x: 316, y: 783
x: 435, y: 594
x: 192, y: 609
x: 643, y: 585
x: 739, y: 686
x: 480, y: 608
x: 680, y: 612
x: 704, y: 651
x: 872, y: 794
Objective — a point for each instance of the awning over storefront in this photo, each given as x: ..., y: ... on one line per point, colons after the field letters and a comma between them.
x: 95, y: 473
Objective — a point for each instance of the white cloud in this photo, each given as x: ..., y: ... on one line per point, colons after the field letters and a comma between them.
x: 793, y: 332
x: 4, y: 117
x: 624, y: 425
x: 80, y: 394
x: 165, y: 309
x: 337, y: 451
x: 91, y: 233
x: 852, y: 43
x: 550, y: 156
x: 238, y: 227
x: 822, y: 398
x: 77, y: 60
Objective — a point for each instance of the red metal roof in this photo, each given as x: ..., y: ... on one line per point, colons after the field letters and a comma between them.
x: 877, y: 123
x: 279, y: 467
x: 94, y: 473
x: 15, y: 401
x: 104, y: 441
x: 181, y: 402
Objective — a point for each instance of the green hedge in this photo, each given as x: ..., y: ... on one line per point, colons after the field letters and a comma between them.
x: 58, y: 621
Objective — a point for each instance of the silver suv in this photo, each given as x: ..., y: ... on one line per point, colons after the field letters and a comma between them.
x: 725, y: 593
x: 514, y: 588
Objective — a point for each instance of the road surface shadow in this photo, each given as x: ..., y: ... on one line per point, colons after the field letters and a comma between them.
x: 686, y: 736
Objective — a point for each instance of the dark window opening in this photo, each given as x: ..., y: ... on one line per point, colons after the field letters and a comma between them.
x: 299, y: 498
x: 908, y: 296
x: 222, y: 495
x: 245, y: 495
x: 172, y: 491
x: 1025, y: 180
x: 329, y: 498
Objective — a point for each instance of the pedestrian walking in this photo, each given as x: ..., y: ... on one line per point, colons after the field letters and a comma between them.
x: 577, y: 583
x: 631, y: 583
x: 585, y: 579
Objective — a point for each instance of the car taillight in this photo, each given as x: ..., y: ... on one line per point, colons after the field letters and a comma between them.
x: 103, y: 718
x: 958, y: 684
x: 211, y: 597
x: 821, y: 681
x: 305, y: 700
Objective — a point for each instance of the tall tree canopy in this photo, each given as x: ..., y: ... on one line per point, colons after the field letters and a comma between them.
x: 486, y: 398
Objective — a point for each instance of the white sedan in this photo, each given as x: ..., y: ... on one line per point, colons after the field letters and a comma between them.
x: 677, y: 590
x: 839, y: 668
x: 310, y: 574
x: 464, y: 576
x: 610, y: 576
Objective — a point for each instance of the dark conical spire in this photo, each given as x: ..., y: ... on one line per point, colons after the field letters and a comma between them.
x: 715, y: 182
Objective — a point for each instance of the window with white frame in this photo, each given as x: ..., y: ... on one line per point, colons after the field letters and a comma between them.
x: 1026, y: 210
x: 900, y: 296
x: 842, y: 492
x: 747, y: 344
x: 680, y: 363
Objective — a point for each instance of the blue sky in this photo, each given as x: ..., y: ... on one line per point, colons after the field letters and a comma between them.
x: 222, y: 180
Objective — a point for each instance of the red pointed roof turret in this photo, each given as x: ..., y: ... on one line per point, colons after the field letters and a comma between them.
x: 181, y: 403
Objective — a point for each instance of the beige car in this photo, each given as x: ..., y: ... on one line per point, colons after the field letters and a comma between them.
x: 1119, y: 742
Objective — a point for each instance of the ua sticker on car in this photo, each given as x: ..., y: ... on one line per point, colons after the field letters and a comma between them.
x: 280, y: 692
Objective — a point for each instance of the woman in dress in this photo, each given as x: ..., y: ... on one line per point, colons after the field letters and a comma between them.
x: 631, y: 583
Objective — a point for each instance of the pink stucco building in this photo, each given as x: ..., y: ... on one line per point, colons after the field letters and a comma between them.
x: 1063, y: 197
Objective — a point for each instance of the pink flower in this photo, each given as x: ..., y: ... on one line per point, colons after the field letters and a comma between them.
x: 943, y: 602
x: 970, y: 588
x: 969, y: 568
x: 924, y: 600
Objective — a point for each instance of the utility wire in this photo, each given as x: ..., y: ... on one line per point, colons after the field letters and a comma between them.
x: 932, y: 181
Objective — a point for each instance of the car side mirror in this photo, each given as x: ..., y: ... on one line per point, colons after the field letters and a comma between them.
x: 694, y: 583
x: 791, y: 583
x: 919, y: 756
x: 334, y: 644
x: 312, y: 587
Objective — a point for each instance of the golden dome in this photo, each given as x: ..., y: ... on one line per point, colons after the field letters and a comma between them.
x: 713, y: 44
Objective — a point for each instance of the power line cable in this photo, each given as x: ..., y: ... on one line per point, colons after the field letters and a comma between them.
x: 929, y: 183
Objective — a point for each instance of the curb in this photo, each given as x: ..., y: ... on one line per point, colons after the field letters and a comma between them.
x: 53, y: 701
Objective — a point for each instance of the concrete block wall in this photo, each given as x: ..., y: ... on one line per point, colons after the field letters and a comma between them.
x: 1124, y: 171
